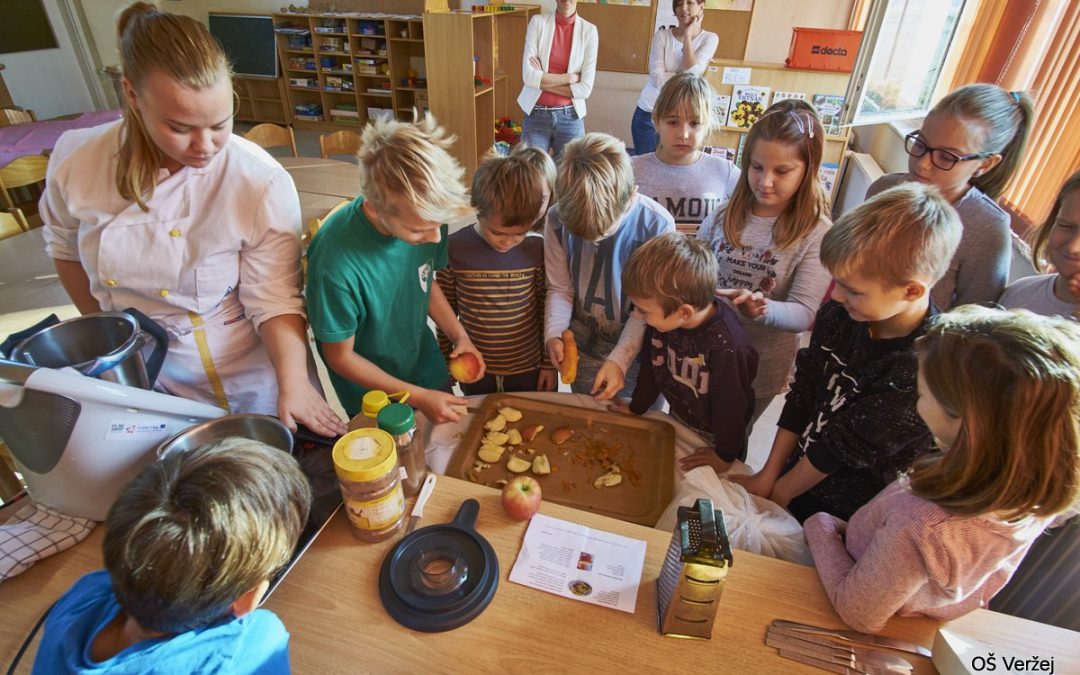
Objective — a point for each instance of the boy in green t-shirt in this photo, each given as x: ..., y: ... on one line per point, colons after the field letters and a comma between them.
x: 371, y: 272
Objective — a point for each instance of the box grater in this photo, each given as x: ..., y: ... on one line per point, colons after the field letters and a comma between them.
x: 690, y: 582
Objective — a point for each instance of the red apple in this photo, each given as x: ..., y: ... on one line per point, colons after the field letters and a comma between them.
x: 521, y: 498
x: 465, y: 368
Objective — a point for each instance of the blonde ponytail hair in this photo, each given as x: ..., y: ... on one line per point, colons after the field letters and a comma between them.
x: 178, y: 46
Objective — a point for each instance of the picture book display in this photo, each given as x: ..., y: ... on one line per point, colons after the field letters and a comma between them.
x: 784, y: 95
x: 720, y: 109
x: 748, y: 103
x: 829, y: 107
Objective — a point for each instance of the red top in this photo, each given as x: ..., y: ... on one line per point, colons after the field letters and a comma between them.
x: 559, y: 58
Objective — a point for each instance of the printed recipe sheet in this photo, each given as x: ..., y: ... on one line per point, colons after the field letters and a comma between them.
x: 577, y: 562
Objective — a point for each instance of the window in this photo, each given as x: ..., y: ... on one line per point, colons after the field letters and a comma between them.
x: 904, y: 46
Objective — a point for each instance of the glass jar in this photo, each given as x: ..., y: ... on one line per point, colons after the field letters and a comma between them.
x: 373, y: 401
x: 366, y: 464
x: 398, y: 420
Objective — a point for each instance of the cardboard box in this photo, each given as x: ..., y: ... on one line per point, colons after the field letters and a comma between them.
x: 823, y: 49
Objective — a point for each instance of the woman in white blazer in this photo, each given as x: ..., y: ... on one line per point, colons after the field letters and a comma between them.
x: 168, y: 212
x: 558, y: 77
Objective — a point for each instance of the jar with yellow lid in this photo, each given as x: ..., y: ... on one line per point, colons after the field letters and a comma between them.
x: 366, y: 464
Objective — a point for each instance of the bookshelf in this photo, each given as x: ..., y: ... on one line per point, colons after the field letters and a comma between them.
x: 261, y: 99
x: 778, y: 77
x: 340, y: 71
x: 461, y: 47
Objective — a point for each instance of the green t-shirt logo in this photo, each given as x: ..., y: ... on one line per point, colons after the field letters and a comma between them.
x: 425, y: 274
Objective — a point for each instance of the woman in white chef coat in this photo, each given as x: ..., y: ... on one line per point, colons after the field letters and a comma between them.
x: 168, y: 212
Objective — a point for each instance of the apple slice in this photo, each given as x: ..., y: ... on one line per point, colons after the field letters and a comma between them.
x: 490, y: 453
x: 511, y: 414
x: 497, y: 423
x: 540, y: 465
x: 518, y: 465
x: 513, y: 437
x: 496, y: 438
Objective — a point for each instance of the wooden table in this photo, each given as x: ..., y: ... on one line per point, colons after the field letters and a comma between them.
x: 330, y: 605
x: 322, y: 183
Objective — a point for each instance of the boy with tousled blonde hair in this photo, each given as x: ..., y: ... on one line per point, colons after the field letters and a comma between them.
x: 695, y: 352
x: 495, y: 278
x: 371, y: 272
x: 590, y: 234
x: 190, y: 547
x: 850, y: 426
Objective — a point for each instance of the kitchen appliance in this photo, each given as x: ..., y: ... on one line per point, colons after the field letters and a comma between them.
x: 107, y: 345
x: 77, y: 440
x: 688, y: 588
x: 312, y: 452
x: 440, y: 577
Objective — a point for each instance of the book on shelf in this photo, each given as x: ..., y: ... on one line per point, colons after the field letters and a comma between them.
x: 748, y: 103
x: 308, y: 118
x: 785, y: 95
x: 827, y: 175
x: 720, y: 109
x: 829, y: 107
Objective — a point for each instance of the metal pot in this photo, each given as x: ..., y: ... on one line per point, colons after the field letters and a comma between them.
x: 269, y: 430
x: 106, y: 345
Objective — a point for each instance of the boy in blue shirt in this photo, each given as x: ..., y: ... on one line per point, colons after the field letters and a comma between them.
x: 189, y: 550
x: 598, y: 222
x: 371, y: 272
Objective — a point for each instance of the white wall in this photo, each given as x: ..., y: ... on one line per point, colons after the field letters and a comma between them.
x: 48, y: 81
x: 770, y: 27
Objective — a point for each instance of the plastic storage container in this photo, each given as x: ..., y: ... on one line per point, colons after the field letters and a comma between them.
x: 366, y: 464
x: 370, y: 405
x: 398, y: 420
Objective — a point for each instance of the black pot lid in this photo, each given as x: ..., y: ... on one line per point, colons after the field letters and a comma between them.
x: 440, y: 577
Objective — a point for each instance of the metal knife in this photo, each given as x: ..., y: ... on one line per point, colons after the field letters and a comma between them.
x: 863, y: 654
x: 421, y: 499
x: 838, y: 656
x: 818, y: 663
x: 855, y: 636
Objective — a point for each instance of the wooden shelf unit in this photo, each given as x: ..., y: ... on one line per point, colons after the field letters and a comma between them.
x: 261, y: 99
x: 350, y: 62
x: 779, y: 77
x: 496, y: 40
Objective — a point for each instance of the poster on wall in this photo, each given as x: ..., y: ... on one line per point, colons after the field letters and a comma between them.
x: 665, y: 16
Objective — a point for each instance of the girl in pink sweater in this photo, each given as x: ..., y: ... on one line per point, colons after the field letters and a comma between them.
x: 1000, y: 391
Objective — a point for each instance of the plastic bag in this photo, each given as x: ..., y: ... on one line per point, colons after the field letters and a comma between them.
x: 753, y: 523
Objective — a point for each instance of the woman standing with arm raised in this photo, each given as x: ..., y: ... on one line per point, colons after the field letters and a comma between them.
x: 168, y: 212
x: 557, y: 67
x: 686, y: 48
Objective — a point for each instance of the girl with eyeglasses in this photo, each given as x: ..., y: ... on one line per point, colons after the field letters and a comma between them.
x: 767, y: 239
x: 969, y: 146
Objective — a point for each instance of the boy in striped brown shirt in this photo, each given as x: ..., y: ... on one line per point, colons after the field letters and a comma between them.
x: 495, y: 279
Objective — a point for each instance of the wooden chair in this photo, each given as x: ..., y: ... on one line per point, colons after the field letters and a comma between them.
x: 339, y: 143
x: 22, y: 172
x: 273, y: 136
x: 12, y: 222
x: 11, y: 116
x: 312, y: 226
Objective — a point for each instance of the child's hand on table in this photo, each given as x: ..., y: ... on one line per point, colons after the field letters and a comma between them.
x: 438, y: 406
x: 608, y: 382
x: 548, y: 380
x: 705, y: 457
x: 750, y: 304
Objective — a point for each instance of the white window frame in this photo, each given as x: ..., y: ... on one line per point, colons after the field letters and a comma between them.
x: 856, y: 91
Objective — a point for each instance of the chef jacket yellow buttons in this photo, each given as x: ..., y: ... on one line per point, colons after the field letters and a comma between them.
x: 164, y: 292
x: 110, y: 283
x: 174, y: 233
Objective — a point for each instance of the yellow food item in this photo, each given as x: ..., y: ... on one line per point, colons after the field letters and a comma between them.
x: 511, y: 414
x: 496, y: 438
x: 513, y: 437
x: 490, y: 453
x: 568, y: 367
x: 518, y: 465
x: 497, y: 423
x: 540, y: 465
x: 609, y: 479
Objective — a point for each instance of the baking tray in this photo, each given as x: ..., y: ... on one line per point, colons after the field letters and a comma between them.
x: 644, y: 449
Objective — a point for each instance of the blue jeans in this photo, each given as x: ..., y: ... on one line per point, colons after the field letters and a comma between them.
x: 644, y: 133
x: 552, y: 128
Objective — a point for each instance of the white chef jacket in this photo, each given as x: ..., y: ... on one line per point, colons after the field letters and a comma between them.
x: 217, y: 254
